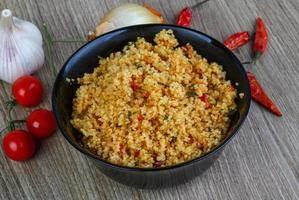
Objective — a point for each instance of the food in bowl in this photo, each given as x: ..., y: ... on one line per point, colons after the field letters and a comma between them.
x: 153, y: 105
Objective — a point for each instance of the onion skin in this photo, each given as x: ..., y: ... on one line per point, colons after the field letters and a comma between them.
x: 126, y: 15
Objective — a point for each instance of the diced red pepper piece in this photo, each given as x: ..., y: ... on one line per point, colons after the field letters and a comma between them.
x: 204, y: 98
x: 137, y: 153
x: 158, y: 164
x: 140, y: 117
x: 134, y: 85
x: 232, y: 88
x: 146, y: 94
x: 121, y: 147
x: 191, y: 140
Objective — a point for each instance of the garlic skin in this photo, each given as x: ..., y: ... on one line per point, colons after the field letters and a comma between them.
x: 21, y: 51
x: 126, y: 15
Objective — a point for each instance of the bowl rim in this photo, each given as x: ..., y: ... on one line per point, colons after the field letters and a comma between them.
x: 214, y: 151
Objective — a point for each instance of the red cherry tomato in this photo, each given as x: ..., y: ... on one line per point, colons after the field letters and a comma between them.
x: 19, y: 145
x: 28, y: 91
x: 41, y: 123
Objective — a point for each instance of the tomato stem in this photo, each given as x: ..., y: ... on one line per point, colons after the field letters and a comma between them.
x: 17, y: 121
x: 10, y: 105
x: 50, y: 47
x: 3, y: 130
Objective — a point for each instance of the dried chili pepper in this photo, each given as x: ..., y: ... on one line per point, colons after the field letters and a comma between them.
x: 259, y: 95
x: 185, y: 16
x: 237, y: 40
x: 261, y: 39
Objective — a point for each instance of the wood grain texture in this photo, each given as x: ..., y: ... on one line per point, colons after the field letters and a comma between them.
x: 262, y: 162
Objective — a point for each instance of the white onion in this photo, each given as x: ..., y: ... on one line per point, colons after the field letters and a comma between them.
x: 126, y: 15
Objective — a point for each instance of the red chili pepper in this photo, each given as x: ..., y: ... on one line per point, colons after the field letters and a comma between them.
x: 259, y: 95
x: 261, y: 38
x: 237, y: 40
x: 185, y: 16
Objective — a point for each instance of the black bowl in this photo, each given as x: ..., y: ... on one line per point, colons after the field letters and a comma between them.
x: 86, y: 59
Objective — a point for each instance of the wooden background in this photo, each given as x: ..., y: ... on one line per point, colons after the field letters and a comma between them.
x: 262, y: 162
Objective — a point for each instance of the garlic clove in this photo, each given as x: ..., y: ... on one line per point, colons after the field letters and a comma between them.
x: 21, y: 51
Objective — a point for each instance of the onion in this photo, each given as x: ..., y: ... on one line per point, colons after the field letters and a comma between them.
x: 127, y: 15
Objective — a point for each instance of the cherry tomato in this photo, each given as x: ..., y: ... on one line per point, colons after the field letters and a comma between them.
x: 19, y: 145
x: 28, y: 91
x: 41, y: 123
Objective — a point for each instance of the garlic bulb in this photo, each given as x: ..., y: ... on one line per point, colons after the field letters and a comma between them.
x: 21, y: 51
x: 126, y: 15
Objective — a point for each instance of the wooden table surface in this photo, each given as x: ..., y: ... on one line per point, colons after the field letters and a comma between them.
x: 262, y: 162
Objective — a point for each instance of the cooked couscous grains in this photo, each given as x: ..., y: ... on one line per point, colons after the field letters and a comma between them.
x: 153, y: 105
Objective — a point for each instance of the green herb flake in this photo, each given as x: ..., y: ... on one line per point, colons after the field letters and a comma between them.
x: 166, y: 117
x: 129, y: 115
x: 160, y: 83
x: 191, y: 94
x: 232, y: 111
x: 138, y: 65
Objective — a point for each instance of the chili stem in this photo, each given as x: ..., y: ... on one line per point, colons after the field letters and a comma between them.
x: 247, y: 62
x: 50, y: 44
x: 10, y: 105
x: 198, y: 4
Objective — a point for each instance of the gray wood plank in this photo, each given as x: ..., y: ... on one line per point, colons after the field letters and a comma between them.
x: 262, y: 162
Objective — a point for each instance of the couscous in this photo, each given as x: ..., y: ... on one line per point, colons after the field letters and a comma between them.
x: 153, y: 105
